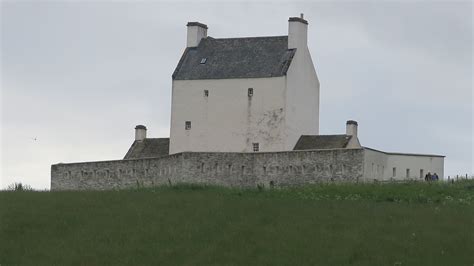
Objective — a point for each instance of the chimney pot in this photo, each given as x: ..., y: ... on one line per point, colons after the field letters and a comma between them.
x: 140, y: 132
x: 351, y: 128
x: 297, y: 32
x: 196, y: 31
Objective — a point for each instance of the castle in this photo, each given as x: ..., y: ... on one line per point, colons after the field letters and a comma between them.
x: 245, y: 112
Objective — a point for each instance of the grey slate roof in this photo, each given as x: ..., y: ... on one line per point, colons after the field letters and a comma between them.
x: 254, y: 57
x: 148, y: 148
x: 315, y: 142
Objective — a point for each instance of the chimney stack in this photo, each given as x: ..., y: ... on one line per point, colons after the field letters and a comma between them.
x: 297, y: 32
x: 196, y: 31
x: 351, y: 128
x: 140, y: 132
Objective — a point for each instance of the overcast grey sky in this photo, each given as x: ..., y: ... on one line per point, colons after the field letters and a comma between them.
x: 78, y: 76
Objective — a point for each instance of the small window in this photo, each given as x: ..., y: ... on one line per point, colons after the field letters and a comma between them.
x: 203, y: 60
x: 408, y: 172
x: 206, y: 93
x: 250, y: 92
x: 394, y: 172
x: 187, y: 125
x: 421, y: 173
x: 255, y: 147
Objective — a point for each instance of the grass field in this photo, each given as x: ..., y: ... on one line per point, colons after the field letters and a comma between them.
x: 371, y: 224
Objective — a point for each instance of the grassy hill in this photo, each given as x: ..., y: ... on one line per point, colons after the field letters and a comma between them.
x: 346, y: 224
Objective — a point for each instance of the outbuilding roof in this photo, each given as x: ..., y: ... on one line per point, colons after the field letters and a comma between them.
x: 252, y: 57
x: 316, y: 142
x: 150, y: 147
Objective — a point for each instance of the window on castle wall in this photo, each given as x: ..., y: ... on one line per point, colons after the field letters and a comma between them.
x: 408, y: 172
x: 421, y: 173
x: 206, y: 93
x: 255, y: 146
x: 250, y: 92
x: 394, y: 172
x: 187, y: 125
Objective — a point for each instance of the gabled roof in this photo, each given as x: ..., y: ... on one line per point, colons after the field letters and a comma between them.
x: 254, y: 57
x: 316, y: 142
x: 148, y: 148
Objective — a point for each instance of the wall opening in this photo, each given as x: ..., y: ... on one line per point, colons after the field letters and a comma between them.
x: 206, y: 93
x: 187, y: 125
x: 250, y: 92
x: 421, y: 173
x: 408, y: 172
x: 394, y: 172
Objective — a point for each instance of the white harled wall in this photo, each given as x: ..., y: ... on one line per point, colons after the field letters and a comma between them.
x: 302, y: 98
x: 379, y: 165
x: 303, y: 87
x: 280, y: 111
x: 228, y: 120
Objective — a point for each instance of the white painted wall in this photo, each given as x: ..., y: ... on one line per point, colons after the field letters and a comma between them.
x: 375, y: 165
x: 303, y: 87
x: 379, y: 165
x: 415, y: 164
x: 228, y: 120
x: 280, y: 111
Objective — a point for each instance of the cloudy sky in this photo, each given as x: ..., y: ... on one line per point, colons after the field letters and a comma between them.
x: 77, y: 76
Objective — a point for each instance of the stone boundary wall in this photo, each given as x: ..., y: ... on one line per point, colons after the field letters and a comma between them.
x: 214, y: 168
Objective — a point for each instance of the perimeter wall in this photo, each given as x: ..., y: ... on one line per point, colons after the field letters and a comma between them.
x: 214, y: 168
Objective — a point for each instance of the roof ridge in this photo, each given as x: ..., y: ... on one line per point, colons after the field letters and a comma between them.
x: 325, y: 135
x: 253, y: 37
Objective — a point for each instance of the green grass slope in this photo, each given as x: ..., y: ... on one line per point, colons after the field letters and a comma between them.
x: 346, y: 224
